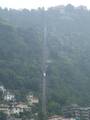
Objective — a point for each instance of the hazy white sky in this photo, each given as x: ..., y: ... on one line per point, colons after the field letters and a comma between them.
x: 18, y: 4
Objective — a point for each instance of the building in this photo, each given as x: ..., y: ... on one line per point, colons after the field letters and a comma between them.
x: 85, y: 113
x: 32, y: 99
x: 57, y: 117
x: 13, y: 118
x: 9, y: 96
x: 21, y: 105
x: 35, y: 100
x: 16, y: 110
x: 4, y: 109
x: 2, y: 89
x: 10, y: 109
x: 71, y: 111
x: 76, y: 111
x: 19, y: 108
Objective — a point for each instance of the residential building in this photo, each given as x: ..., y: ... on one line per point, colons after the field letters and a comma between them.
x: 2, y: 89
x: 4, y: 109
x: 9, y: 96
x: 16, y: 110
x: 32, y: 99
x: 77, y: 112
x: 19, y: 108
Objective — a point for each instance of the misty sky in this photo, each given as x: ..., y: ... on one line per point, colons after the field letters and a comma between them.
x: 18, y: 4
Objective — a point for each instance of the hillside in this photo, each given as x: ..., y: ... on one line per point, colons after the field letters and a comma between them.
x: 68, y: 41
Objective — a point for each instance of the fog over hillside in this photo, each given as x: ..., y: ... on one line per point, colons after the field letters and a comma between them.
x: 68, y: 42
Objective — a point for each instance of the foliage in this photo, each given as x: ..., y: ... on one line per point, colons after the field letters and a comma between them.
x: 3, y: 116
x: 68, y: 42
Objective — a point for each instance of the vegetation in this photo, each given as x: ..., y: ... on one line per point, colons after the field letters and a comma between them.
x: 3, y: 116
x: 68, y: 41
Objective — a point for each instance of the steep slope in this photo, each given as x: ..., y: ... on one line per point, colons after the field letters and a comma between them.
x: 19, y: 62
x: 68, y: 41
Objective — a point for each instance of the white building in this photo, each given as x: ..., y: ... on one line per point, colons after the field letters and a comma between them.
x: 2, y: 88
x: 16, y: 110
x: 9, y: 96
x: 32, y: 99
x: 19, y: 108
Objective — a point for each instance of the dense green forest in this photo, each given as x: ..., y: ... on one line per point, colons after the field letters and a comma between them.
x: 68, y: 42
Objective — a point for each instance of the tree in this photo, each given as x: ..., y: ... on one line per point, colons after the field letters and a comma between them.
x: 3, y: 116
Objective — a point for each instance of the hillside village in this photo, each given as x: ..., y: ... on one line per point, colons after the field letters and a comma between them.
x: 11, y: 107
x: 19, y: 110
x: 16, y: 110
